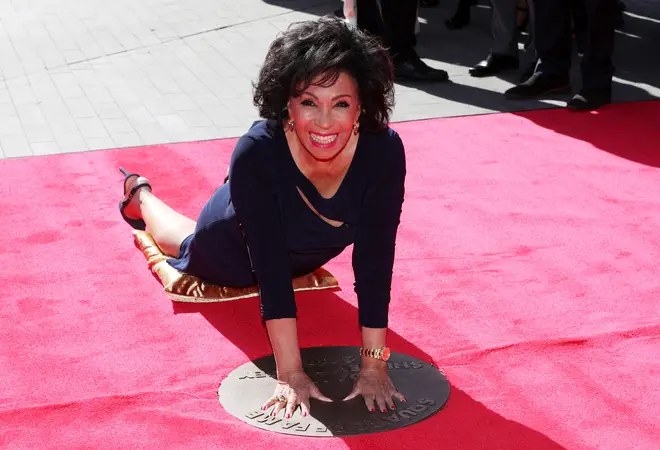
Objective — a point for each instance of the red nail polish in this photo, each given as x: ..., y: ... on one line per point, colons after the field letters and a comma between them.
x: 392, y: 407
x: 383, y: 410
x: 288, y: 416
x: 373, y: 409
x: 304, y: 414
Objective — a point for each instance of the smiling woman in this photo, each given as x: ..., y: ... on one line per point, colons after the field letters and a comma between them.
x: 322, y: 171
x: 322, y: 132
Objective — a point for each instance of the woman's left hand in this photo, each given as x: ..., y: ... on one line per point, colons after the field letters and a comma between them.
x: 375, y: 385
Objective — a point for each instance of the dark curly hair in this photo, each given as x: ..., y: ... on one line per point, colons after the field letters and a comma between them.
x: 326, y: 47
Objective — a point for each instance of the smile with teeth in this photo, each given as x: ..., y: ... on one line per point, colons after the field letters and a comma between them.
x: 325, y: 140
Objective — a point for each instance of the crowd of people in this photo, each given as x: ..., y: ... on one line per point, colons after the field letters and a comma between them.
x: 553, y: 29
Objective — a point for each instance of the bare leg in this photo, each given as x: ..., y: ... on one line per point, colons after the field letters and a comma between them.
x: 168, y: 227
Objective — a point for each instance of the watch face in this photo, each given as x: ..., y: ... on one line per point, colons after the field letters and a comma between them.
x: 386, y: 354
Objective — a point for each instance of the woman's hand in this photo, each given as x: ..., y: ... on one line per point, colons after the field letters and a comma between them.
x: 294, y: 388
x: 375, y: 385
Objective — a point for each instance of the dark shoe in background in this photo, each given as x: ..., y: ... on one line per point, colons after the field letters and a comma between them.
x: 457, y: 22
x: 590, y: 100
x: 539, y: 85
x: 529, y: 71
x: 413, y: 68
x: 494, y: 64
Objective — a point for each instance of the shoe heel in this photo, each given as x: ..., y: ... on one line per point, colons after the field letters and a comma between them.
x: 138, y: 224
x: 125, y: 173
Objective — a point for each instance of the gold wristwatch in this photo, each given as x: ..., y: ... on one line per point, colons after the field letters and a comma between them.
x: 382, y: 353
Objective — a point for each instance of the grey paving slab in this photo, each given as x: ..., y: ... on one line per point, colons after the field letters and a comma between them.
x: 79, y: 75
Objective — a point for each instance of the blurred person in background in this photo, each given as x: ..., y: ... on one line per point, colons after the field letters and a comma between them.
x: 554, y: 22
x: 394, y: 21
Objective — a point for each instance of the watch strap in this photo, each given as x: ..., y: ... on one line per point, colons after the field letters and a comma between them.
x: 376, y: 353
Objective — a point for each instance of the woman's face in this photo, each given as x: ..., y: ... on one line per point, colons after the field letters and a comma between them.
x: 324, y: 117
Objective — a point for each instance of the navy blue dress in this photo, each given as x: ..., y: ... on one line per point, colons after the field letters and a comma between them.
x: 257, y: 229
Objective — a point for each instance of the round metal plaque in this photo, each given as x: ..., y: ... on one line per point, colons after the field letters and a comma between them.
x: 334, y: 370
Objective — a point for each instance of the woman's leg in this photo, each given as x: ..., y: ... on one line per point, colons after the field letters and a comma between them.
x: 168, y: 227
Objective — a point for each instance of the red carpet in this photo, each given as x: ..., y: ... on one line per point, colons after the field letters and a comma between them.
x: 527, y: 270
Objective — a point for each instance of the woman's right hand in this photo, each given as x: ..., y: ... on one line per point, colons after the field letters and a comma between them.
x: 294, y: 388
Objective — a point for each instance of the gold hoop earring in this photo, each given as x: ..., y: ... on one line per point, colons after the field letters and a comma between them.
x: 356, y: 128
x: 290, y: 125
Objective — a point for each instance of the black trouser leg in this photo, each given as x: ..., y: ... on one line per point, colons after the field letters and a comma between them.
x: 463, y: 12
x: 504, y: 28
x: 392, y: 20
x: 369, y: 18
x: 400, y: 17
x: 552, y: 36
x: 597, y: 67
x: 579, y: 17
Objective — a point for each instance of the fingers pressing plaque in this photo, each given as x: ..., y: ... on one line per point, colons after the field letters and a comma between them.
x: 335, y: 406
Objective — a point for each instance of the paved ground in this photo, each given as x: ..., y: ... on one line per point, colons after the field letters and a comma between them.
x: 79, y: 75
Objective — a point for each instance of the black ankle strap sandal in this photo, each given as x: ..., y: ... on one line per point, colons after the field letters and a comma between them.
x: 138, y: 224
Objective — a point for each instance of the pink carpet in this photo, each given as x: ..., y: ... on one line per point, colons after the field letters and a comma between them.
x: 527, y: 269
